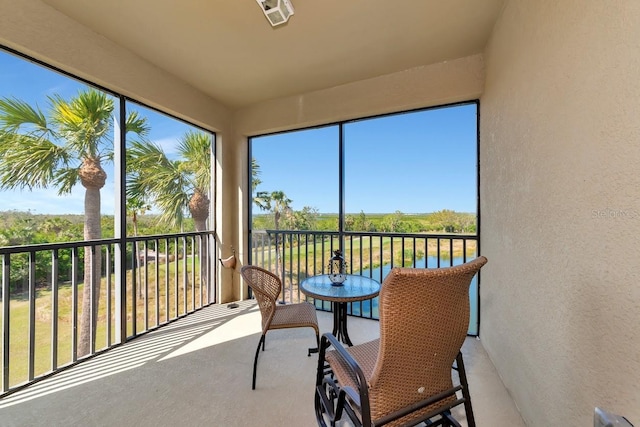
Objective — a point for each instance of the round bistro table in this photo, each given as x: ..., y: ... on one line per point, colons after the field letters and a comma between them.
x: 355, y: 288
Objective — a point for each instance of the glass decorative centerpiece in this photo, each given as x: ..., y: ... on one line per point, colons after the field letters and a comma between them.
x: 337, y: 269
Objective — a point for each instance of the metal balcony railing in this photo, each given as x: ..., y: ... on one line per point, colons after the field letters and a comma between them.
x: 49, y: 321
x: 295, y: 255
x: 150, y: 281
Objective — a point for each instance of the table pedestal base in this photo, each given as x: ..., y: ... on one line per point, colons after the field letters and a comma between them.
x: 340, y: 322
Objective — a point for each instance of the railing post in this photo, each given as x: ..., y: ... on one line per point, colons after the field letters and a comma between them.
x: 74, y: 304
x: 6, y: 275
x: 54, y: 308
x: 32, y: 313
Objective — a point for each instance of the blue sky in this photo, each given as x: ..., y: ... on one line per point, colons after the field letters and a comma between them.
x: 415, y: 162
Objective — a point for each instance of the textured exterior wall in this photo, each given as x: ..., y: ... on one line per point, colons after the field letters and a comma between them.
x: 560, y: 203
x: 438, y: 84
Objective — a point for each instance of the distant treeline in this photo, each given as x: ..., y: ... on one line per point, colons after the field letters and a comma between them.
x: 19, y: 228
x: 443, y: 221
x: 23, y: 228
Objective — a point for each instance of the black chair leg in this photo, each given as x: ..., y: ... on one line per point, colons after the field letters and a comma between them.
x: 255, y: 361
x: 471, y: 422
x: 449, y: 421
x: 315, y: 350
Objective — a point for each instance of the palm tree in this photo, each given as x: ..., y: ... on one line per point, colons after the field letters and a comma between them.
x: 255, y: 175
x: 136, y: 206
x: 175, y: 186
x: 278, y: 203
x: 67, y: 148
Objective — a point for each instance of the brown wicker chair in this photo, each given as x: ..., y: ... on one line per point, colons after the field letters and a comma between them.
x: 405, y: 376
x: 266, y: 288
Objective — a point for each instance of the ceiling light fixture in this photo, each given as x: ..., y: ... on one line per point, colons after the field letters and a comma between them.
x: 276, y: 11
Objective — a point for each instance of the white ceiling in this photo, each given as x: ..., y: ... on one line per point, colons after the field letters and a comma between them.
x: 228, y: 49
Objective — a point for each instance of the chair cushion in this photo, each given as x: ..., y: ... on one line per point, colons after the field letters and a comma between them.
x: 295, y: 316
x: 364, y: 354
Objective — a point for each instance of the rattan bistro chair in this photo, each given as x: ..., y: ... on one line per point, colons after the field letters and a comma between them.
x: 405, y: 376
x: 266, y: 288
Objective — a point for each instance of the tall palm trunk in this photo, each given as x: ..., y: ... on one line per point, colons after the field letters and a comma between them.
x: 199, y: 209
x: 93, y: 179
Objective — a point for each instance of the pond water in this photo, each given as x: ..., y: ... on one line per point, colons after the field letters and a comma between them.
x: 370, y: 308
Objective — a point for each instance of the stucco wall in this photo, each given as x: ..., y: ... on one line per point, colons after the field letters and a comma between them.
x: 560, y: 202
x: 447, y: 82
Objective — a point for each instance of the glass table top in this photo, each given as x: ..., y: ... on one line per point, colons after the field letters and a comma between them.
x: 354, y: 288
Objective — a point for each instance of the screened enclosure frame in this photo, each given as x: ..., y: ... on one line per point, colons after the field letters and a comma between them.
x: 343, y: 167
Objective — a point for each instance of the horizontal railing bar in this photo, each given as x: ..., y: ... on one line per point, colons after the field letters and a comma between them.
x: 94, y: 242
x: 455, y: 236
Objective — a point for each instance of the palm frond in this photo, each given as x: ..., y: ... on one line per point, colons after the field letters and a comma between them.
x: 151, y: 174
x: 263, y: 200
x: 65, y: 179
x: 85, y: 122
x: 142, y: 155
x: 137, y: 124
x: 16, y: 114
x: 173, y: 207
x: 255, y: 174
x: 195, y: 149
x: 28, y: 162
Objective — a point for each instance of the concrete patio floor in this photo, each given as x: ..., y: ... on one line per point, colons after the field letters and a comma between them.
x: 197, y: 372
